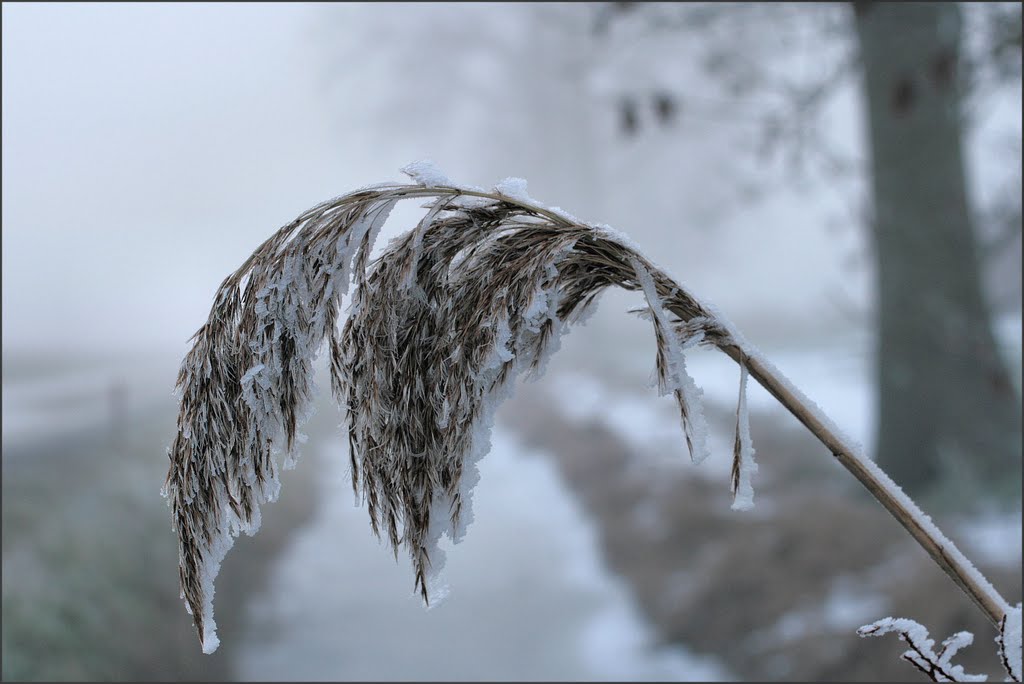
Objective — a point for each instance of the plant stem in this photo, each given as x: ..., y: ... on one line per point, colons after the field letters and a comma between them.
x: 942, y: 550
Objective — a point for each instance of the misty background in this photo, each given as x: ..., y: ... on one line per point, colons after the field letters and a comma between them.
x: 148, y: 149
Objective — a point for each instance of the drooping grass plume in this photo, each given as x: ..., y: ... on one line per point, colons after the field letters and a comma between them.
x: 440, y: 325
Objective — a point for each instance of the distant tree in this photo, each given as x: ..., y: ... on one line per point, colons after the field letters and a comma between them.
x: 946, y: 403
x: 949, y: 415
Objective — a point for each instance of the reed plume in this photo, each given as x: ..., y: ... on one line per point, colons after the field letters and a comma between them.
x: 440, y: 326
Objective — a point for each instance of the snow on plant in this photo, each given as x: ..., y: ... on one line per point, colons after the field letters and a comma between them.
x: 1009, y: 641
x: 938, y: 666
x: 922, y: 655
x: 439, y: 327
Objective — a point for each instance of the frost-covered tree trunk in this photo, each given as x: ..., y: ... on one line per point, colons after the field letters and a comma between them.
x: 948, y: 413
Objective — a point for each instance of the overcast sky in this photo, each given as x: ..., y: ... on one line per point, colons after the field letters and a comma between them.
x: 147, y: 149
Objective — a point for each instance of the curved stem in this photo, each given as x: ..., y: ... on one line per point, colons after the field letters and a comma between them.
x: 942, y: 550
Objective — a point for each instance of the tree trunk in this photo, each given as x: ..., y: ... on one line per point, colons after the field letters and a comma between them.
x: 949, y: 418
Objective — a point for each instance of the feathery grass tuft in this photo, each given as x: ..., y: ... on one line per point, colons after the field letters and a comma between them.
x: 440, y: 325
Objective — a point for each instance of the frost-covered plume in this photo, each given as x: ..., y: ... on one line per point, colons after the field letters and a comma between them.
x: 440, y: 326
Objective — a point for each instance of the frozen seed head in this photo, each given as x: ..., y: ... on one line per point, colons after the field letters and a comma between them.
x: 441, y: 324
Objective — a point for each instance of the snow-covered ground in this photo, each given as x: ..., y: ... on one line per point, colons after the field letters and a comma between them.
x: 530, y: 598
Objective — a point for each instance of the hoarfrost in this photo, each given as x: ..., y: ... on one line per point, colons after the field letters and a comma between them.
x: 938, y: 666
x: 426, y: 173
x: 230, y: 434
x: 251, y: 373
x: 562, y: 213
x: 924, y: 521
x: 672, y: 369
x: 514, y: 189
x: 744, y: 465
x: 1009, y: 642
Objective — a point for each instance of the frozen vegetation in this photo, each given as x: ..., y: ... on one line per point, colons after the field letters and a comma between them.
x: 439, y: 327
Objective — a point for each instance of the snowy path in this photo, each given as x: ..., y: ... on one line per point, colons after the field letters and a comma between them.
x: 529, y: 598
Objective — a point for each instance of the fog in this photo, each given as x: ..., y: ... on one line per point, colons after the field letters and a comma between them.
x: 148, y: 149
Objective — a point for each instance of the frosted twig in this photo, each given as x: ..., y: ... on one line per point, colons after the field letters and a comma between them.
x: 937, y: 666
x: 1009, y: 640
